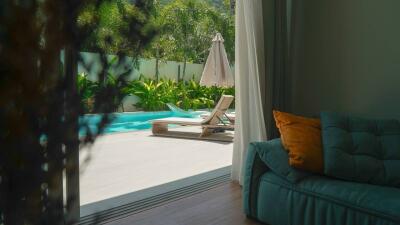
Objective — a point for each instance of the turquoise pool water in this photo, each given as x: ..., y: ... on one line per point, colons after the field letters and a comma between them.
x: 124, y: 122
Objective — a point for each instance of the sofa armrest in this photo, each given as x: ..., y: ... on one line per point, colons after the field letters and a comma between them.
x: 261, y: 157
x: 254, y: 169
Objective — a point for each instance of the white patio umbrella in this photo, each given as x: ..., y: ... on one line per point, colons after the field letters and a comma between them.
x: 217, y: 71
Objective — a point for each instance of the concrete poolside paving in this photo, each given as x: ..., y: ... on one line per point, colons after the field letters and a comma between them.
x: 122, y: 163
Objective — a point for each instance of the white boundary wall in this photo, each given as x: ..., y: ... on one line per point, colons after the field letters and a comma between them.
x: 147, y: 67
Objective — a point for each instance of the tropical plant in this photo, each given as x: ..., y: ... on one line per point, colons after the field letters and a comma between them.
x: 190, y: 94
x: 87, y: 90
x: 169, y: 91
x: 150, y: 95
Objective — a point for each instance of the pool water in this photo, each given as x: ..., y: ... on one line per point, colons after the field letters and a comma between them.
x: 124, y: 122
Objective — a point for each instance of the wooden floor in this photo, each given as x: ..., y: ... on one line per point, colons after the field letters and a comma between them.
x: 219, y: 206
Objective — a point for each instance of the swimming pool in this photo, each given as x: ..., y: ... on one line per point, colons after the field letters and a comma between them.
x: 124, y: 122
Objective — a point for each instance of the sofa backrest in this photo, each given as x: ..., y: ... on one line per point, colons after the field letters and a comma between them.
x: 359, y: 149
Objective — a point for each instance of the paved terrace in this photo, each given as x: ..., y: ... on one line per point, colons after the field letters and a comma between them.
x: 122, y: 163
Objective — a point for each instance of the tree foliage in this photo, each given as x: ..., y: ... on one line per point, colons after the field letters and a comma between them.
x: 187, y: 28
x: 190, y: 25
x: 112, y: 19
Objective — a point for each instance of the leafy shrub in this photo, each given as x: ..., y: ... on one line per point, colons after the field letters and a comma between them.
x: 154, y: 94
x: 186, y: 94
x: 87, y: 90
x: 150, y: 94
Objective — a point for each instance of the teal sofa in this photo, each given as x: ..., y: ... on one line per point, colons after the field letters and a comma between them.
x: 277, y: 194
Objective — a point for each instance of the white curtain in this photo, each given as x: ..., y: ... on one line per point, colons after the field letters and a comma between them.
x: 249, y: 70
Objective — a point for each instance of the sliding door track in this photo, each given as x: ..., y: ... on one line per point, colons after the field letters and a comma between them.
x: 125, y: 210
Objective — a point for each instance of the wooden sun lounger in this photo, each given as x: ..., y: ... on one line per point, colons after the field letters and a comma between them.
x: 230, y: 116
x: 208, y: 124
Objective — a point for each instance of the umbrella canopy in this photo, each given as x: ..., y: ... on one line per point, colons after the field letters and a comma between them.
x: 217, y: 71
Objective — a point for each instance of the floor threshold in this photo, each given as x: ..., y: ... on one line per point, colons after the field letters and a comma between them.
x: 183, y: 188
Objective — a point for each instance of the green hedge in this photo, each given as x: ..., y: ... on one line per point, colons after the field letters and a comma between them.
x: 154, y: 94
x: 186, y: 94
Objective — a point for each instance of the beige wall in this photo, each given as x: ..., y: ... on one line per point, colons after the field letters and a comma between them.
x: 167, y: 69
x: 346, y: 57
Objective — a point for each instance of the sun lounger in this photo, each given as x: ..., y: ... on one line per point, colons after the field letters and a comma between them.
x: 216, y: 120
x: 230, y: 116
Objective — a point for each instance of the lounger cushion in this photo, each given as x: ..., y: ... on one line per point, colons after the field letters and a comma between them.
x: 180, y: 120
x: 363, y: 150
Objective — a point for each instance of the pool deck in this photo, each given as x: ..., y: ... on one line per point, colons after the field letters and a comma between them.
x: 122, y: 163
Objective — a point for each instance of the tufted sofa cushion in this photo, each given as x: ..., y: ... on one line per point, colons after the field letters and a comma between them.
x: 362, y: 150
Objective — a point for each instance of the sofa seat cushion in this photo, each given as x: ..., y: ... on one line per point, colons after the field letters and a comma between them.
x: 320, y: 200
x: 362, y: 150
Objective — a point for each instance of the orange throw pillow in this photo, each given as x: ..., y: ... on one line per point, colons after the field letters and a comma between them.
x: 301, y: 137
